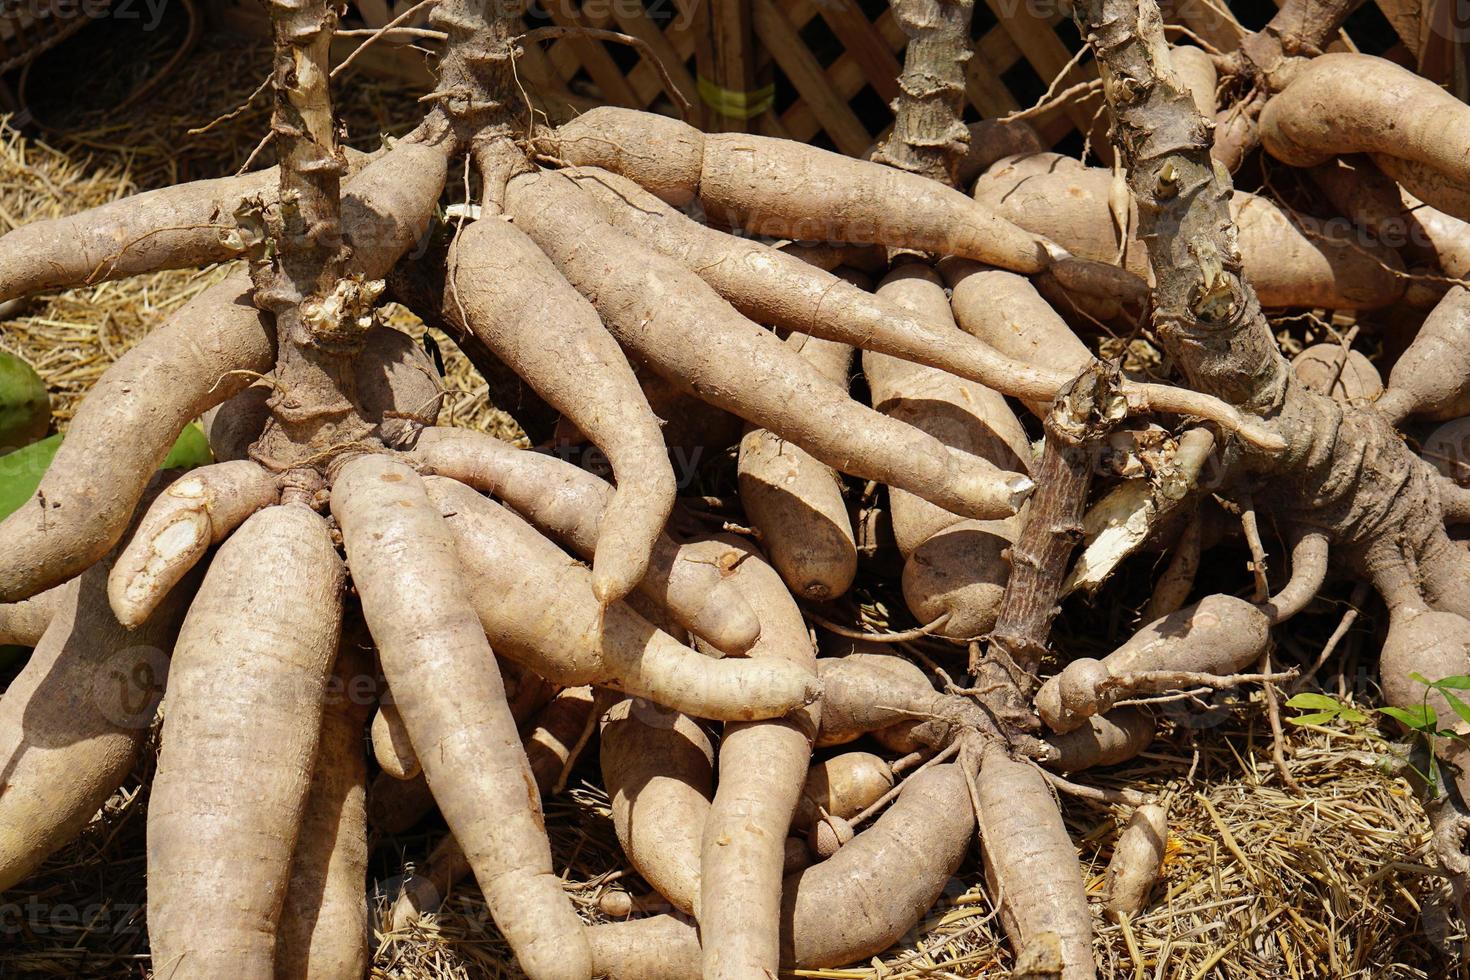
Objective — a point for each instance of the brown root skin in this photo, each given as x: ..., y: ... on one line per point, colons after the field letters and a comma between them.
x: 1430, y: 379
x: 842, y: 786
x: 555, y: 734
x: 181, y: 227
x: 123, y: 431
x: 1347, y: 376
x: 512, y: 298
x: 658, y: 767
x: 513, y: 572
x: 1138, y: 859
x: 763, y: 765
x: 807, y: 301
x: 448, y: 691
x: 196, y: 512
x: 991, y: 139
x: 795, y: 501
x: 272, y: 667
x: 1291, y: 259
x: 866, y: 692
x: 1360, y: 191
x: 324, y: 927
x: 783, y: 189
x: 391, y: 744
x: 951, y: 571
x: 654, y: 307
x: 1031, y: 866
x: 74, y: 719
x: 1433, y: 645
x: 849, y: 907
x: 1220, y: 635
x: 396, y: 805
x: 1105, y: 740
x: 1353, y: 103
x: 23, y: 623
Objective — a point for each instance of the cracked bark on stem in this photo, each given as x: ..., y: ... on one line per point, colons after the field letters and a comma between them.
x: 929, y: 136
x: 1082, y: 414
x: 299, y: 259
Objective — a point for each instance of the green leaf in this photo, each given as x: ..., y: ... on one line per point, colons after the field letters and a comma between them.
x: 21, y: 471
x: 1315, y: 718
x: 25, y: 406
x: 1457, y: 706
x: 1459, y: 682
x: 191, y: 451
x: 1353, y: 715
x: 1320, y: 701
x: 1417, y: 718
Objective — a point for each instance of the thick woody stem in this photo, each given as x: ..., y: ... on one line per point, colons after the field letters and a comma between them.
x: 300, y: 258
x: 929, y: 135
x: 476, y: 75
x: 1082, y: 414
x: 1206, y: 314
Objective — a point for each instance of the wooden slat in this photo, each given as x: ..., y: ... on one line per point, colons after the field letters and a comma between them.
x: 605, y: 72
x: 865, y: 45
x: 847, y: 78
x: 643, y: 78
x: 805, y: 72
x: 724, y: 44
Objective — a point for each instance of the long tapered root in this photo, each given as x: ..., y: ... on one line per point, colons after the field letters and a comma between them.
x: 448, y: 690
x: 273, y: 668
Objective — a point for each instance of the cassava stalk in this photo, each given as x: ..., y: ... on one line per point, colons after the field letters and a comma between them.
x: 929, y: 135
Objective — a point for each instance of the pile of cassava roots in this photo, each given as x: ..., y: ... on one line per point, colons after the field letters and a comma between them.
x: 353, y: 593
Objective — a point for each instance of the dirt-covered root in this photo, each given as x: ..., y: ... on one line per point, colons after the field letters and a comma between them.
x: 782, y: 189
x: 557, y: 732
x: 74, y: 719
x: 1431, y: 378
x: 210, y: 349
x: 841, y: 786
x: 1360, y: 191
x: 125, y: 428
x: 195, y: 513
x: 181, y: 227
x: 1105, y: 740
x: 851, y: 906
x: 391, y: 745
x: 1219, y: 635
x: 567, y: 503
x: 991, y: 139
x: 1195, y: 68
x: 1031, y: 867
x: 1432, y: 645
x: 776, y: 286
x: 1352, y: 103
x: 1138, y: 858
x: 670, y: 318
x: 869, y: 690
x: 22, y: 623
x: 324, y: 929
x: 1291, y: 259
x: 258, y: 644
x: 448, y: 690
x: 512, y: 298
x: 663, y: 947
x: 763, y: 766
x: 795, y: 501
x: 658, y: 767
x: 950, y: 571
x: 536, y: 605
x: 186, y: 226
